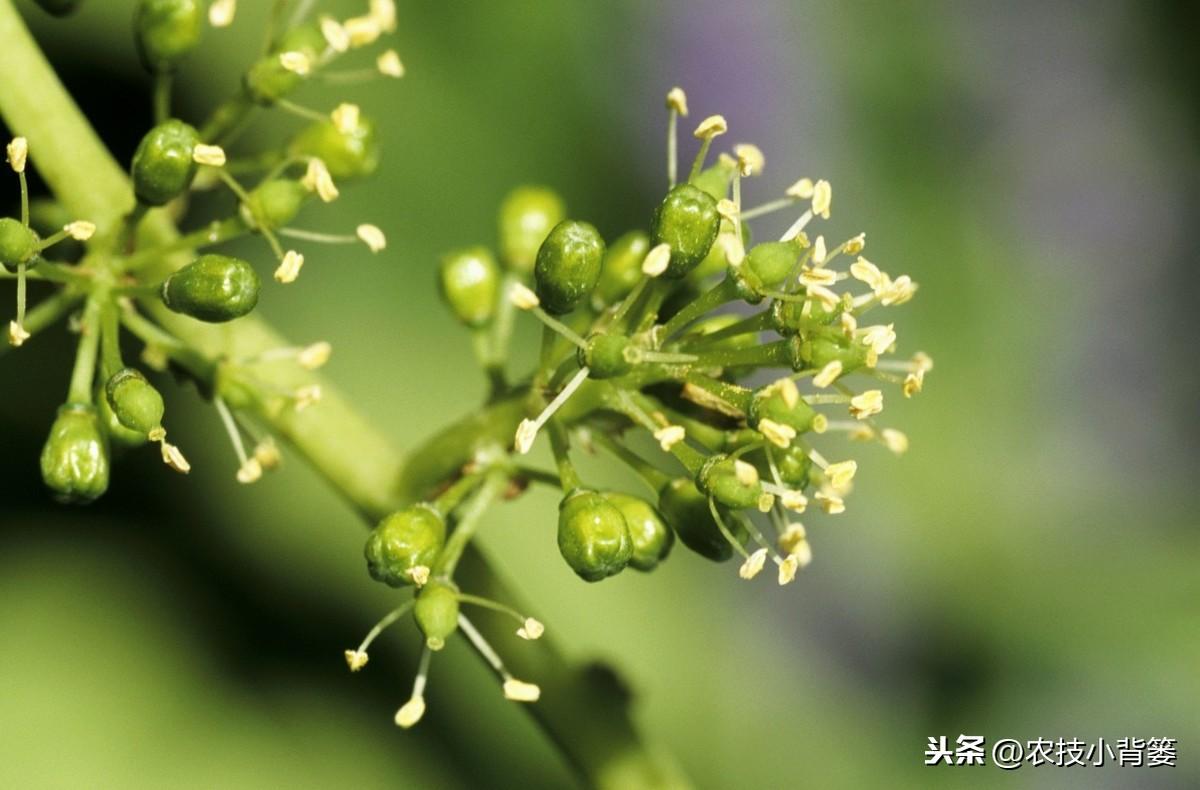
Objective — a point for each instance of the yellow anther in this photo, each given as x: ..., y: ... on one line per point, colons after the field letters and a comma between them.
x: 710, y: 127
x: 677, y: 101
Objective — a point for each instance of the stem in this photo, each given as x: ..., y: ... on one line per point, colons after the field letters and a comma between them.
x: 468, y: 522
x: 110, y: 340
x: 84, y: 372
x: 583, y: 711
x: 162, y: 96
x: 721, y: 293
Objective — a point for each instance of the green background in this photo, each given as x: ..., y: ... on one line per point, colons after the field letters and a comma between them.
x: 1027, y: 570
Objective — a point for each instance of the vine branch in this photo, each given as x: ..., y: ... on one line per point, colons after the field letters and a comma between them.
x: 583, y: 709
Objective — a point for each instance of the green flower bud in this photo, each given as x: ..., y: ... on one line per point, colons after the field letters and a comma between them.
x: 470, y: 283
x: 18, y: 244
x: 793, y: 464
x: 75, y: 457
x: 686, y: 510
x: 687, y: 219
x: 274, y: 203
x: 59, y: 7
x: 714, y: 180
x: 652, y: 539
x: 305, y: 38
x: 436, y: 613
x: 604, y: 356
x: 349, y: 152
x: 621, y: 268
x: 405, y: 540
x: 212, y: 288
x: 136, y: 403
x: 781, y: 403
x: 819, y: 352
x: 730, y: 482
x: 592, y: 536
x: 165, y: 30
x: 772, y: 261
x: 568, y: 265
x: 116, y: 432
x: 268, y: 80
x: 163, y: 167
x: 526, y: 217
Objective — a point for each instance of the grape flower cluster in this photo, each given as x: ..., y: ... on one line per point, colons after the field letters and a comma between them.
x: 709, y: 365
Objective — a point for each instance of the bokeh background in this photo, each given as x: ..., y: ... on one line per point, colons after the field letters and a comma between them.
x: 1029, y: 569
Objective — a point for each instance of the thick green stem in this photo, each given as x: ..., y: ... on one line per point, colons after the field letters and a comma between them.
x: 583, y: 709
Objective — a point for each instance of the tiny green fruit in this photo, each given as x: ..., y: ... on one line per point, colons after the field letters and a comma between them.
x: 687, y: 512
x: 402, y: 541
x: 166, y: 30
x: 470, y: 284
x: 593, y: 536
x: 652, y: 538
x: 75, y: 459
x: 274, y: 203
x: 688, y: 221
x: 604, y: 356
x: 134, y: 401
x: 621, y: 268
x: 18, y: 244
x: 163, y: 168
x: 348, y: 150
x: 436, y: 613
x: 732, y: 483
x: 568, y: 265
x: 212, y: 288
x: 527, y: 215
x: 772, y: 261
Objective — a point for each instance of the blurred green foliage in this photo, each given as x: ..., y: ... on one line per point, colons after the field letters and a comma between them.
x: 1023, y: 572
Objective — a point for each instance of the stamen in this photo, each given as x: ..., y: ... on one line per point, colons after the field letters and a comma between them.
x: 411, y: 712
x: 841, y: 473
x: 221, y: 13
x: 530, y: 629
x: 753, y: 564
x: 750, y: 159
x: 345, y: 118
x: 894, y: 440
x: 514, y: 689
x: 710, y: 127
x: 828, y: 374
x: 656, y: 261
x: 357, y: 659
x: 389, y: 65
x: 676, y: 106
x: 18, y: 153
x: 289, y: 267
x: 669, y: 436
x: 334, y: 34
x: 528, y: 429
x: 173, y: 458
x: 249, y: 469
x: 821, y: 198
x: 317, y: 179
x: 867, y: 404
x: 384, y: 14
x: 211, y: 155
x: 523, y: 297
x: 363, y: 30
x: 315, y: 356
x: 296, y: 62
x: 306, y: 396
x: 372, y: 236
